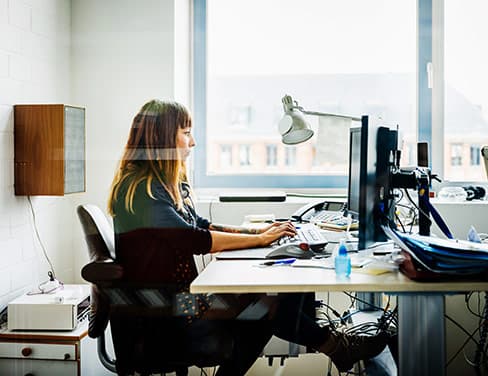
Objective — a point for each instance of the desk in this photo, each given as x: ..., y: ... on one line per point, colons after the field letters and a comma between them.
x: 420, y: 305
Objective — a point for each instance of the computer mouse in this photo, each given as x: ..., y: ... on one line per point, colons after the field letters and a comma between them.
x: 299, y: 250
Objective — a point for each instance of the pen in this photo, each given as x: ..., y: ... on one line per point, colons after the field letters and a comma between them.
x: 278, y: 262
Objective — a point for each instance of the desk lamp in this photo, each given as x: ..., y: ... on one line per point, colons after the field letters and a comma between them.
x: 293, y: 127
x: 484, y: 154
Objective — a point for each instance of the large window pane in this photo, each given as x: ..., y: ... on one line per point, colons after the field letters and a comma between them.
x: 350, y: 57
x: 466, y: 97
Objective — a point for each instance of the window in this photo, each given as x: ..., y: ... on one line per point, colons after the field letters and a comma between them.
x: 456, y: 154
x: 410, y: 154
x: 475, y: 155
x: 244, y: 155
x: 290, y: 156
x: 465, y: 87
x: 241, y: 74
x: 225, y: 156
x: 271, y: 155
x: 240, y: 115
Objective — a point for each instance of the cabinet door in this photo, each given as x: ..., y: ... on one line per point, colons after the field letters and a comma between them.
x: 74, y: 149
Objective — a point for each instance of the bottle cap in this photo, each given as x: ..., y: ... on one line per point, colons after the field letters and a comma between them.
x: 342, y: 248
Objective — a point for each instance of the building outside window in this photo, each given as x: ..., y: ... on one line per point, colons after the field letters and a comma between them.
x: 244, y: 155
x: 225, y: 156
x: 382, y: 84
x: 410, y: 154
x: 456, y: 154
x: 271, y: 155
x: 475, y: 155
x: 240, y: 115
x: 241, y: 76
x: 465, y: 89
x: 290, y: 156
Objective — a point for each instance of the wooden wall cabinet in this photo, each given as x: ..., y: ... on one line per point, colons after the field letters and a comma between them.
x: 49, y: 144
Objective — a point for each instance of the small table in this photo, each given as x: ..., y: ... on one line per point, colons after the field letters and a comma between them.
x: 53, y: 353
x: 420, y: 304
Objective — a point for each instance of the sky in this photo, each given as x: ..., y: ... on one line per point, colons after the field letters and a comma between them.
x: 302, y: 36
x: 376, y: 36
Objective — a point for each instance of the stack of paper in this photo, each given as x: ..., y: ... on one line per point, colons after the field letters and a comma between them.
x: 448, y: 256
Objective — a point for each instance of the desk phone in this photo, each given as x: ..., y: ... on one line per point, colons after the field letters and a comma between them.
x: 319, y: 211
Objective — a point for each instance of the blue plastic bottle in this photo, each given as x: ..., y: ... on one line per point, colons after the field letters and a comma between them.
x: 342, y: 261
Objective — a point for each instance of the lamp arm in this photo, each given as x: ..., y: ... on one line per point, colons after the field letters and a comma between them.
x: 324, y: 113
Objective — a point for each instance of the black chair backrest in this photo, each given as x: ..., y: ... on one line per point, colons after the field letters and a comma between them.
x: 99, y: 235
x: 99, y: 238
x: 140, y: 316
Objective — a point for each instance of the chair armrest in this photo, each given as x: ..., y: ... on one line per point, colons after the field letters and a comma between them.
x: 102, y: 271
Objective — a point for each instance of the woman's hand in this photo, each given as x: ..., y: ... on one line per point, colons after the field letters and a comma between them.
x: 225, y: 241
x: 275, y: 231
x: 266, y: 228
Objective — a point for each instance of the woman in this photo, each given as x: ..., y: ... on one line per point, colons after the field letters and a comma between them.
x: 150, y: 192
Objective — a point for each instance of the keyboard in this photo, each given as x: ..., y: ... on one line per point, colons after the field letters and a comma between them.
x: 306, y: 233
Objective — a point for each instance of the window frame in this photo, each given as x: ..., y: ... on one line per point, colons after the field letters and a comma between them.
x: 424, y: 111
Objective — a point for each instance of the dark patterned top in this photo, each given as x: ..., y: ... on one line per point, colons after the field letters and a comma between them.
x: 156, y: 244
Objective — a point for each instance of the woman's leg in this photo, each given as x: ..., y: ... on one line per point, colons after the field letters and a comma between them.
x: 238, y: 318
x: 250, y: 337
x: 294, y: 320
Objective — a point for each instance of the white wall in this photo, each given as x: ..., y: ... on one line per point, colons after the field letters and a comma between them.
x: 123, y: 54
x: 35, y: 67
x: 109, y: 56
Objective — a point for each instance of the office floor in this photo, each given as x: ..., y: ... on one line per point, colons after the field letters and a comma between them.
x: 303, y: 365
x: 309, y: 365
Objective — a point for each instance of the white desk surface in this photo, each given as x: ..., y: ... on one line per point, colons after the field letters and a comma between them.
x: 243, y: 276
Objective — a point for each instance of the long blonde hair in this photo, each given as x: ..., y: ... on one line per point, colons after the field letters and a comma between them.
x: 151, y: 153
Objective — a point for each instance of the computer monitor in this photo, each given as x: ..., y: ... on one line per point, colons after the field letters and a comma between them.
x: 354, y: 172
x: 371, y: 159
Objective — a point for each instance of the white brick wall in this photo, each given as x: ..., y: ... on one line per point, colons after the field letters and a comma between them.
x: 19, y: 15
x: 35, y: 67
x: 44, y: 58
x: 3, y: 64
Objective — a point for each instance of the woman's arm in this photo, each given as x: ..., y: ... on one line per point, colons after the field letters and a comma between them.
x: 241, y: 229
x: 234, y: 229
x: 225, y: 241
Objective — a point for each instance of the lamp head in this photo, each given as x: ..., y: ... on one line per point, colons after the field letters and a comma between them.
x: 293, y: 127
x: 484, y: 154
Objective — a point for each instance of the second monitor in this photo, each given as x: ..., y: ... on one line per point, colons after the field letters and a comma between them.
x: 372, y: 157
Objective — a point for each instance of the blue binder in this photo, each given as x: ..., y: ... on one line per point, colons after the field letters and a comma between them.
x: 443, y: 256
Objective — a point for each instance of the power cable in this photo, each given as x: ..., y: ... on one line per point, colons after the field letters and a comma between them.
x: 39, y: 239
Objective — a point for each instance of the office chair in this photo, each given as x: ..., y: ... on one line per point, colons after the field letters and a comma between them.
x: 147, y: 337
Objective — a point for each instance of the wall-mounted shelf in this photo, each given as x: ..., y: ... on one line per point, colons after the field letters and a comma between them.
x: 49, y: 144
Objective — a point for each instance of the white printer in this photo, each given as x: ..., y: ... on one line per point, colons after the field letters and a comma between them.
x: 61, y: 310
